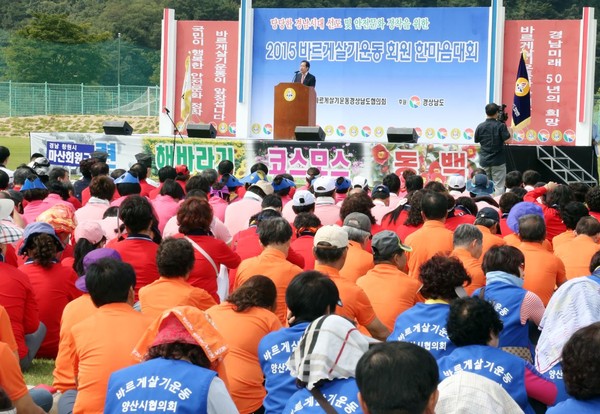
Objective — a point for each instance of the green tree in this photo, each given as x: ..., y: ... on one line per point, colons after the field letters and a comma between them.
x: 50, y: 48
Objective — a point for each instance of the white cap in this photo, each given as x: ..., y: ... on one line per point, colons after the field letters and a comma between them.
x: 360, y: 181
x: 456, y: 182
x: 323, y: 184
x: 303, y: 198
x: 334, y: 235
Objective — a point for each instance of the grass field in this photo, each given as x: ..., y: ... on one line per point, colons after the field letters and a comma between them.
x: 40, y: 372
x: 14, y: 132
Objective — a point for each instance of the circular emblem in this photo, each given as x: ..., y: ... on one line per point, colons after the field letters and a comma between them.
x: 268, y: 129
x: 353, y: 131
x: 366, y: 132
x: 255, y: 129
x: 379, y: 131
x: 543, y: 135
x: 521, y: 87
x: 329, y: 130
x: 289, y: 94
x: 430, y: 133
x: 569, y: 135
x: 341, y: 131
x: 556, y: 135
x: 531, y: 135
x: 223, y: 128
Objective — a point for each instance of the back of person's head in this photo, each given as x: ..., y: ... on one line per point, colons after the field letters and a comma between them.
x: 531, y: 177
x: 503, y: 258
x: 491, y: 109
x: 85, y: 167
x: 572, y: 212
x: 172, y: 189
x: 508, y: 201
x: 592, y: 199
x: 4, y: 154
x: 385, y: 387
x: 441, y: 275
x: 330, y: 244
x: 116, y: 173
x: 519, y: 192
x: 136, y: 213
x: 304, y: 222
x: 467, y: 204
x: 102, y: 187
x: 59, y: 188
x: 580, y: 363
x: 166, y: 172
x: 436, y: 186
x: 514, y: 179
x: 195, y: 213
x: 21, y: 174
x: 197, y: 182
x: 413, y: 183
x: 225, y: 167
x: 559, y: 196
x: 532, y: 228
x: 358, y: 203
x: 112, y: 211
x: 196, y: 194
x: 175, y: 257
x: 274, y: 231
x: 472, y: 321
x: 129, y: 188
x: 58, y: 173
x: 140, y: 170
x: 588, y: 226
x: 414, y: 217
x: 271, y: 201
x: 466, y: 234
x: 579, y: 190
x: 109, y: 281
x: 309, y: 295
x: 257, y: 190
x: 311, y: 174
x: 99, y: 168
x: 211, y: 175
x: 260, y: 166
x: 258, y: 291
x: 434, y: 205
x: 392, y: 182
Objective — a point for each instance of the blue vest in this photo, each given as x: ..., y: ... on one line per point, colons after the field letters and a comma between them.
x: 341, y: 394
x: 595, y: 276
x: 159, y: 385
x: 424, y: 325
x: 507, y: 300
x: 506, y: 369
x: 555, y: 375
x: 273, y: 352
x: 573, y: 406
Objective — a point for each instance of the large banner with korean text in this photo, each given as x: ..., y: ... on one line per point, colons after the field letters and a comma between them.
x: 406, y: 67
x: 206, y: 77
x: 435, y: 162
x: 552, y: 57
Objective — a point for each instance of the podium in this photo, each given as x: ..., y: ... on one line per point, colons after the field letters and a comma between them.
x: 294, y: 105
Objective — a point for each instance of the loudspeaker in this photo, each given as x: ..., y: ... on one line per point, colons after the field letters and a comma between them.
x: 402, y: 135
x: 117, y: 128
x: 309, y: 133
x: 201, y: 131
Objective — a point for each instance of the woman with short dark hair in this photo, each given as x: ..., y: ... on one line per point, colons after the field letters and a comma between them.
x: 504, y: 267
x: 425, y: 323
x: 244, y: 320
x: 195, y: 216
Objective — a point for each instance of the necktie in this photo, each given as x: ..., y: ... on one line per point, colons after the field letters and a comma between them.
x: 303, y: 76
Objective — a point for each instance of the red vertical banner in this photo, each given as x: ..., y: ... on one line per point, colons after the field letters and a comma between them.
x: 206, y: 87
x: 552, y: 54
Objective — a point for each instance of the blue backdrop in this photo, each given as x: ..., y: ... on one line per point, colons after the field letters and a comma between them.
x: 406, y: 67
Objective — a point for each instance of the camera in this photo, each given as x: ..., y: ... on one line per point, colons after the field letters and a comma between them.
x: 502, y: 115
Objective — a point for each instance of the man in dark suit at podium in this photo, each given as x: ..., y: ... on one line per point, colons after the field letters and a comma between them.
x: 302, y: 76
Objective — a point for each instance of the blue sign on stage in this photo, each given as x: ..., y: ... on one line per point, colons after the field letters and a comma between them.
x: 424, y: 68
x: 67, y: 154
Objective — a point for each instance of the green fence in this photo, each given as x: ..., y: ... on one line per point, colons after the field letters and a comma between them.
x: 28, y: 99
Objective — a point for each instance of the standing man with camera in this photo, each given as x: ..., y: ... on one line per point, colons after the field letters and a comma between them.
x: 491, y: 135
